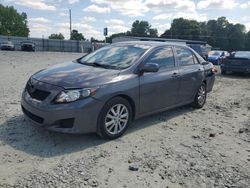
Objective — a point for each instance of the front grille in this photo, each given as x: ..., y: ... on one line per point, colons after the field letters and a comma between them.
x: 32, y: 116
x: 36, y: 93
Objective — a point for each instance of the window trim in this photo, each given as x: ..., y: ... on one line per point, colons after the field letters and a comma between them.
x: 159, y: 48
x: 193, y: 55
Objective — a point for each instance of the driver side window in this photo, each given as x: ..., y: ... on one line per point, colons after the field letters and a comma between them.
x: 164, y: 57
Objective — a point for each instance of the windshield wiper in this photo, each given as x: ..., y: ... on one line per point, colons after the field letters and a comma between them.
x: 95, y: 64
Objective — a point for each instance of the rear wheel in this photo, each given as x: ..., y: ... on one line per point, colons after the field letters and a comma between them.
x: 201, y: 96
x: 223, y: 71
x: 115, y: 118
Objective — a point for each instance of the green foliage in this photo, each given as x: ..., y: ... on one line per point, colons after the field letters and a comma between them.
x: 13, y: 23
x: 143, y: 28
x: 92, y: 39
x: 218, y: 33
x: 183, y: 29
x: 109, y: 39
x: 76, y: 36
x: 236, y: 37
x: 139, y: 28
x: 56, y: 36
x: 247, y: 39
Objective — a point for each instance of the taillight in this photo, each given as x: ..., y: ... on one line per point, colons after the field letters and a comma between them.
x: 214, y: 70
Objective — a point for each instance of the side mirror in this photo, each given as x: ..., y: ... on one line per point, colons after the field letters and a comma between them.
x: 205, y: 57
x: 205, y: 63
x: 150, y: 67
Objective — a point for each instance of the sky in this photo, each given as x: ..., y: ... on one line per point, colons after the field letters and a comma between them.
x: 91, y: 16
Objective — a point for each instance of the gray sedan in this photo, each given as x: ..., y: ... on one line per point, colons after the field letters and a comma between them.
x: 104, y: 91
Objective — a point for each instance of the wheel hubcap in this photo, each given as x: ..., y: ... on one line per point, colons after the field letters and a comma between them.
x: 116, y: 119
x: 201, y: 95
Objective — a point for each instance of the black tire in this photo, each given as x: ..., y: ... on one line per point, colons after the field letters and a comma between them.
x: 200, y: 97
x: 103, y: 118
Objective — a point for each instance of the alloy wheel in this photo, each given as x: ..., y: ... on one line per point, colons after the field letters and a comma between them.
x: 116, y: 119
x: 201, y: 95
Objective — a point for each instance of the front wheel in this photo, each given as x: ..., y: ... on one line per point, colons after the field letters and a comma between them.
x: 200, y: 97
x: 114, y: 118
x: 223, y: 71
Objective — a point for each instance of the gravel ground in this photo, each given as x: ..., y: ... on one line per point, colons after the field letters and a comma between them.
x: 183, y: 147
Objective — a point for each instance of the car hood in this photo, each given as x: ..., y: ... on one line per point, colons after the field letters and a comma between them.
x: 76, y: 75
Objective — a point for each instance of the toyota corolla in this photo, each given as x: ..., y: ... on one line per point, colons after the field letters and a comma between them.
x: 104, y: 91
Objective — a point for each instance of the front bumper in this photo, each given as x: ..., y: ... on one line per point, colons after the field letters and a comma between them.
x: 76, y: 117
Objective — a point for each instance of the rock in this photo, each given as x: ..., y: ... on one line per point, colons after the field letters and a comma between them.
x: 192, y: 164
x: 212, y: 135
x: 133, y: 168
x: 196, y: 136
x: 243, y: 130
x: 93, y: 183
x: 217, y: 107
x: 110, y: 170
x: 236, y: 103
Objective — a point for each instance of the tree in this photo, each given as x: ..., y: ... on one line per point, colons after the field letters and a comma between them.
x: 76, y: 36
x: 92, y: 39
x: 236, y: 37
x: 183, y: 29
x: 56, y: 36
x: 247, y: 46
x: 109, y: 39
x: 12, y: 22
x: 143, y: 29
x: 217, y: 31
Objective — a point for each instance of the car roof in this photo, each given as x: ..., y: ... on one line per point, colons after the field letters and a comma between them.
x: 152, y: 43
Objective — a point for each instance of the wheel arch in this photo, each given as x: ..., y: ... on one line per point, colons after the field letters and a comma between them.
x: 130, y: 100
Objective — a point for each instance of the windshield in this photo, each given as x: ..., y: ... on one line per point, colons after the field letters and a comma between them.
x: 115, y: 56
x: 215, y: 53
x: 242, y: 55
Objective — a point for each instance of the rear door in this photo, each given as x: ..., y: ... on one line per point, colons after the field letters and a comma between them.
x: 191, y: 73
x: 160, y: 89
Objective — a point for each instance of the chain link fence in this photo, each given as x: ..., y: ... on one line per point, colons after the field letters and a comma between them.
x: 51, y: 44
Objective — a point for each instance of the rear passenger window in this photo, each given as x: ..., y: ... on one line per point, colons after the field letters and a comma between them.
x: 184, y: 56
x: 164, y: 57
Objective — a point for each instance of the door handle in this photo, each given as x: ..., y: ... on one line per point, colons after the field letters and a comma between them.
x: 175, y: 75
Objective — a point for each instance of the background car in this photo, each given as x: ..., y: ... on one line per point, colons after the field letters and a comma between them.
x: 7, y: 45
x: 116, y: 84
x: 28, y: 46
x: 216, y: 57
x: 238, y: 62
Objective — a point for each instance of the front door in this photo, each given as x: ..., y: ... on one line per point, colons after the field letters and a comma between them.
x: 160, y: 89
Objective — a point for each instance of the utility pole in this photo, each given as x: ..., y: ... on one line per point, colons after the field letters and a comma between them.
x: 70, y: 23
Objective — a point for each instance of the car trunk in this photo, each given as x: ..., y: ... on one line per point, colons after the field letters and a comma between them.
x: 236, y: 62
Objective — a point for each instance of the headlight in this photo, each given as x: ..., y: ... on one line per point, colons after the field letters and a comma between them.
x: 67, y: 96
